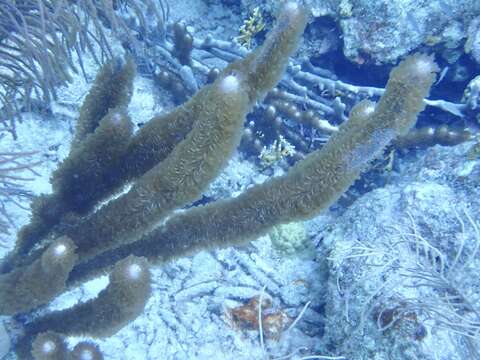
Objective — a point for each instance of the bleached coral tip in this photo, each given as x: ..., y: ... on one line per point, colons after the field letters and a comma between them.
x: 230, y: 84
x: 134, y: 271
x: 48, y: 347
x: 60, y: 249
x: 291, y: 8
x: 368, y: 109
x: 421, y: 65
x: 86, y: 355
x: 116, y: 118
x: 425, y: 65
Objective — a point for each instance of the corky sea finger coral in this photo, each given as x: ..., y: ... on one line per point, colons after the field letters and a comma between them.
x: 30, y: 286
x: 172, y: 159
x: 310, y: 186
x: 211, y: 122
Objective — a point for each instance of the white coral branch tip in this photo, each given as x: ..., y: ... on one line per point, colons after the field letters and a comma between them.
x: 230, y: 84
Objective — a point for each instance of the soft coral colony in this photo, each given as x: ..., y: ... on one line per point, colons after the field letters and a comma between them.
x: 169, y: 162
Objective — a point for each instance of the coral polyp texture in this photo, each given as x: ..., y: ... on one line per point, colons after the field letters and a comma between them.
x: 169, y: 163
x: 49, y: 346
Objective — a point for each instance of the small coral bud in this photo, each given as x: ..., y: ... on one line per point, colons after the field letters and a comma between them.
x: 86, y: 351
x: 316, y: 122
x: 309, y: 115
x: 188, y: 39
x: 292, y: 109
x: 212, y: 75
x: 274, y: 92
x: 49, y: 346
x: 248, y: 134
x: 428, y: 131
x: 442, y: 131
x: 270, y: 112
x: 164, y: 78
x: 278, y: 122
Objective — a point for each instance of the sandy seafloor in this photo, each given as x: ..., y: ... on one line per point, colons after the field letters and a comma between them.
x: 436, y: 189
